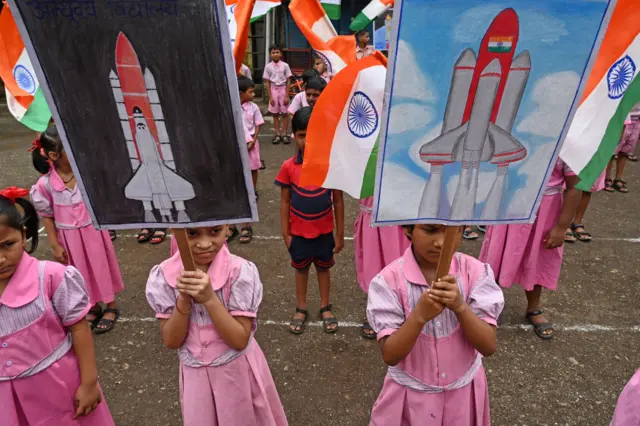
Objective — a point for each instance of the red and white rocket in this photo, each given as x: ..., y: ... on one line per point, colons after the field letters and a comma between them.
x: 483, y: 102
x: 155, y: 181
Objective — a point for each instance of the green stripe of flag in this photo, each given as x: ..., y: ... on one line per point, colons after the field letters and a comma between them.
x: 611, y: 138
x: 360, y: 22
x: 333, y: 10
x: 38, y: 115
x: 369, y: 179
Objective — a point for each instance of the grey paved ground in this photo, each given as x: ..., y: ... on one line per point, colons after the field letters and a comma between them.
x: 334, y: 380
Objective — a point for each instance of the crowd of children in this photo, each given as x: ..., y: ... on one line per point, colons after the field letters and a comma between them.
x: 433, y: 331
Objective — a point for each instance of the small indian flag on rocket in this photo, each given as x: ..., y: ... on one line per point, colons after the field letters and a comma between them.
x: 341, y: 147
x: 500, y: 44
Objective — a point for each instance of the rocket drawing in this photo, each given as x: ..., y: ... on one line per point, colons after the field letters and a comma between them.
x: 483, y: 102
x: 155, y: 181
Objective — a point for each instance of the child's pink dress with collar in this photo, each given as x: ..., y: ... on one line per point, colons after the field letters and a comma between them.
x: 219, y: 386
x: 89, y: 250
x: 375, y: 247
x: 39, y: 372
x: 517, y: 253
x: 441, y: 381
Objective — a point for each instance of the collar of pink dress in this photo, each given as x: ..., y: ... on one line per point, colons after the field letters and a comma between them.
x: 23, y: 285
x: 219, y: 269
x: 412, y: 272
x: 57, y: 184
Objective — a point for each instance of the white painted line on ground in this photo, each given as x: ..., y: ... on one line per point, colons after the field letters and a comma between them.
x: 277, y: 237
x: 583, y: 328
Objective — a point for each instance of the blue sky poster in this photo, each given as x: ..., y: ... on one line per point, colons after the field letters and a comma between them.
x: 479, y: 96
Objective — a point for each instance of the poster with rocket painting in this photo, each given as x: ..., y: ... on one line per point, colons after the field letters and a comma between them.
x: 144, y: 95
x: 479, y: 97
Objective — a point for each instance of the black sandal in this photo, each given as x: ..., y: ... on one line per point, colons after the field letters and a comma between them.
x: 286, y: 140
x: 296, y: 323
x: 144, y: 235
x: 468, y: 234
x: 109, y: 324
x: 113, y: 235
x: 328, y: 322
x: 541, y: 327
x: 246, y: 235
x: 367, y: 327
x: 97, y: 312
x: 620, y: 186
x: 158, y: 237
x: 276, y: 140
x: 262, y: 165
x: 583, y: 235
x: 234, y: 233
x: 608, y: 185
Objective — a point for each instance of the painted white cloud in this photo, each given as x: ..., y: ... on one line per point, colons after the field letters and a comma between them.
x: 411, y: 82
x: 533, y: 168
x: 534, y: 26
x: 401, y: 193
x: 553, y: 94
x: 409, y: 116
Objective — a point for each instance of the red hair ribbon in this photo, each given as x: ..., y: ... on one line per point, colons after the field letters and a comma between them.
x: 35, y: 145
x: 13, y: 193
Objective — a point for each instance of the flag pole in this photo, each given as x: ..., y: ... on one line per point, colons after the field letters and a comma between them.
x: 451, y: 236
x: 183, y: 246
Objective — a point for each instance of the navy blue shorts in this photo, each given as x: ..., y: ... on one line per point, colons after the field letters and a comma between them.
x: 305, y: 251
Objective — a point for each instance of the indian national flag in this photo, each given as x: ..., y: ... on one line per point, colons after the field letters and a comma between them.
x: 312, y: 20
x: 24, y: 95
x: 500, y: 44
x: 262, y: 7
x: 612, y: 90
x: 341, y: 148
x: 238, y: 17
x: 332, y: 7
x: 370, y: 13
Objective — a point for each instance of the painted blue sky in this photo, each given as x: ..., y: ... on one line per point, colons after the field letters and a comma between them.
x: 559, y: 35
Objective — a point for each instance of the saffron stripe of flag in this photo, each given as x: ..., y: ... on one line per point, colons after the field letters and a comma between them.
x: 612, y: 90
x: 370, y: 13
x: 337, y: 51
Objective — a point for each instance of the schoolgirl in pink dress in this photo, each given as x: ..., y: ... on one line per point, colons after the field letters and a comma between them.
x: 530, y: 255
x: 433, y: 335
x: 44, y: 338
x: 320, y: 66
x: 375, y: 248
x: 627, y: 411
x: 73, y: 238
x: 209, y: 316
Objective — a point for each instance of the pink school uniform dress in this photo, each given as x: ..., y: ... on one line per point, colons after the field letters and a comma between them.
x: 628, y: 408
x: 89, y: 250
x: 442, y: 380
x: 517, y: 253
x: 630, y: 134
x: 252, y: 117
x: 245, y: 71
x: 375, y: 247
x: 39, y: 372
x: 278, y: 73
x: 299, y: 101
x: 218, y: 385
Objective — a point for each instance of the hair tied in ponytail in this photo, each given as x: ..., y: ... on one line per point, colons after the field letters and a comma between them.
x: 13, y: 193
x: 35, y: 145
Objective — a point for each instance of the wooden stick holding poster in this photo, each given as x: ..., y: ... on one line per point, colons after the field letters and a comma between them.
x: 451, y: 237
x: 166, y: 150
x: 183, y: 246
